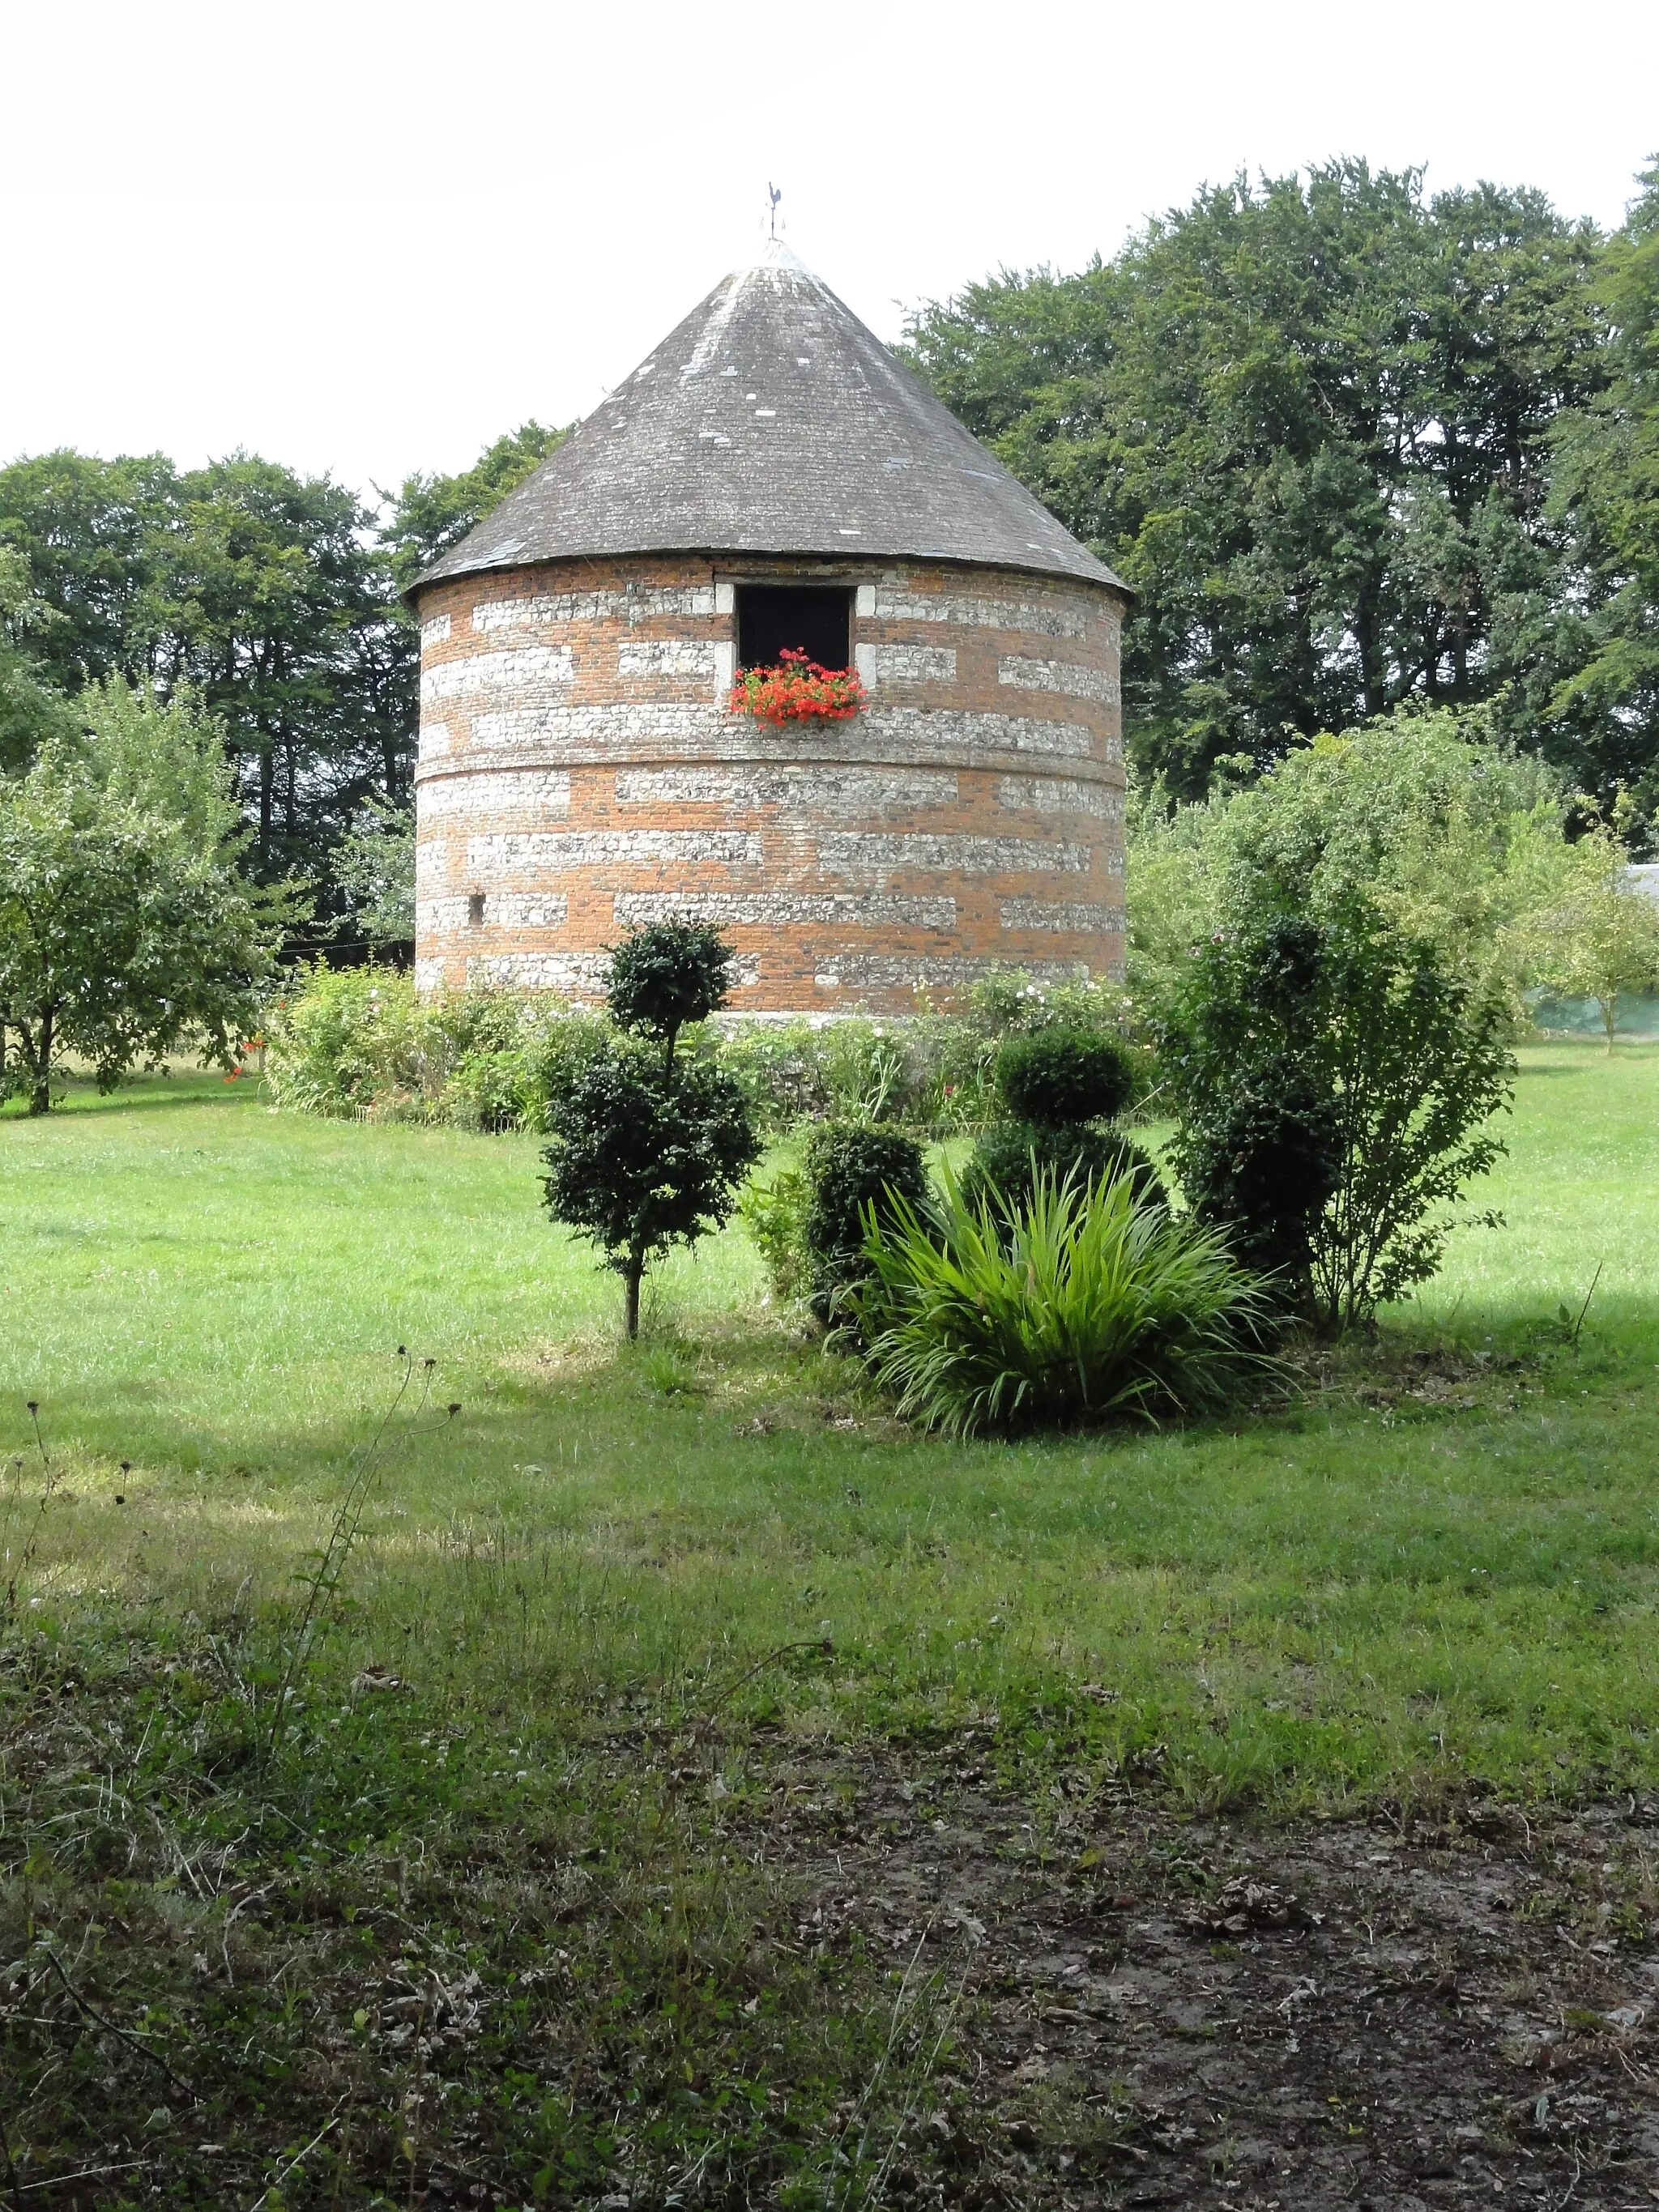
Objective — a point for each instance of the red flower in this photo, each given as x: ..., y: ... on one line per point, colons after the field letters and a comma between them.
x: 797, y: 690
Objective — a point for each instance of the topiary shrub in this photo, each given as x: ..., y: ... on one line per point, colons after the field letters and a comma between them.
x: 666, y: 975
x: 1057, y: 1078
x: 1055, y: 1084
x: 1009, y: 1158
x: 851, y: 1166
x: 646, y: 1152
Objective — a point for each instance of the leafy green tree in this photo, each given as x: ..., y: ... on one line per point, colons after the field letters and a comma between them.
x: 1334, y: 1079
x: 647, y: 1149
x: 1593, y: 647
x: 31, y: 713
x: 278, y: 611
x: 375, y: 866
x: 1453, y: 837
x: 1599, y: 940
x: 261, y: 589
x: 1309, y: 422
x: 433, y: 513
x: 94, y: 536
x: 127, y: 926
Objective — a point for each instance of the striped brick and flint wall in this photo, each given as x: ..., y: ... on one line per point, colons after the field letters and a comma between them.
x: 580, y: 773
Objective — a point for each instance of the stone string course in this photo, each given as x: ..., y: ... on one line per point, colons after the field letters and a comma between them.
x: 580, y: 773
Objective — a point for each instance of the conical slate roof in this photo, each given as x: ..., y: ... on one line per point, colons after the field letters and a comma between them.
x: 772, y: 421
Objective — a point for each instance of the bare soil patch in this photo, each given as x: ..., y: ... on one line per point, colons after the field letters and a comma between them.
x: 1417, y: 2011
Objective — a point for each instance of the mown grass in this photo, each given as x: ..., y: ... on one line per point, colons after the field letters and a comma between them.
x: 481, y: 1902
x: 1447, y: 1575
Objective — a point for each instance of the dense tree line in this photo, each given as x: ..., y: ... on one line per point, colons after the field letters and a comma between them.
x: 1352, y: 445
x: 268, y: 596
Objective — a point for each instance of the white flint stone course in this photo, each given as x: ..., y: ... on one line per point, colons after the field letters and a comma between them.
x: 666, y: 656
x: 436, y: 632
x: 1061, y: 795
x: 892, y: 971
x: 512, y: 853
x: 1042, y: 618
x: 882, y: 853
x: 785, y: 910
x: 849, y: 794
x: 526, y: 909
x: 1062, y: 676
x: 541, y: 971
x: 976, y: 732
x: 1070, y: 915
x: 437, y: 917
x: 494, y: 792
x: 915, y: 664
x: 530, y: 672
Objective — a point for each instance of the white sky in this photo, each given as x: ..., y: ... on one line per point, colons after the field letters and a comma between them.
x: 367, y: 238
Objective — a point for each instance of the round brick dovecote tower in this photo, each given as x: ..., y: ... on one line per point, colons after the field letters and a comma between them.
x: 770, y: 477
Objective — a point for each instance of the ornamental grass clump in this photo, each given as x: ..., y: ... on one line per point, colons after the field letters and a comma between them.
x: 1085, y: 1303
x: 797, y: 690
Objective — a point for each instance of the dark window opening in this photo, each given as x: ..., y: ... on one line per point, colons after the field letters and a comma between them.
x: 816, y: 619
x: 475, y: 902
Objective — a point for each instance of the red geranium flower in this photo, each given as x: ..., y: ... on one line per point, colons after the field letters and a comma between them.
x: 797, y: 690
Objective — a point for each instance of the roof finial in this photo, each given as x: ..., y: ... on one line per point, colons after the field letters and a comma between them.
x: 774, y: 195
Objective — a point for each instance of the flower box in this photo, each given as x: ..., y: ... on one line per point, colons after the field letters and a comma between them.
x: 797, y: 690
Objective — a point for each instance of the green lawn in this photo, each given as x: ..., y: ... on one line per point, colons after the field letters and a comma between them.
x: 1421, y: 1569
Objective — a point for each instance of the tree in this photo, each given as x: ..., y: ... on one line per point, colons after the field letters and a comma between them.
x: 1309, y: 421
x: 375, y: 866
x: 1594, y: 650
x: 93, y: 534
x: 1333, y: 1079
x: 276, y: 609
x: 1599, y: 940
x: 126, y: 925
x: 1451, y: 835
x: 261, y: 589
x: 433, y: 513
x: 31, y: 713
x: 647, y: 1149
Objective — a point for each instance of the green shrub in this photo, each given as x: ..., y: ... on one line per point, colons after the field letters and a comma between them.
x: 1057, y: 1076
x: 643, y: 1156
x: 853, y: 1167
x: 668, y: 976
x: 342, y: 1039
x: 1008, y: 1158
x: 1333, y: 1079
x: 775, y: 1214
x: 648, y: 1148
x: 1088, y: 1303
x: 364, y: 1041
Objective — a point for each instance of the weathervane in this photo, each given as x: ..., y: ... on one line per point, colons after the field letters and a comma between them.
x: 774, y: 195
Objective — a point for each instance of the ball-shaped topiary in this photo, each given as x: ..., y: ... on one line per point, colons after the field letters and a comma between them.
x: 851, y: 1165
x: 667, y: 973
x: 1009, y: 1157
x: 1056, y: 1078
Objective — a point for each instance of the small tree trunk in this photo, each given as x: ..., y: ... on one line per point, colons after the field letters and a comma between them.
x: 1610, y: 1018
x: 631, y: 1274
x: 40, y: 1069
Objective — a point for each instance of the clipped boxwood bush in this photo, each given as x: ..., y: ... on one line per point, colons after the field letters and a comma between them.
x: 851, y: 1165
x: 1057, y: 1078
x: 1010, y: 1155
